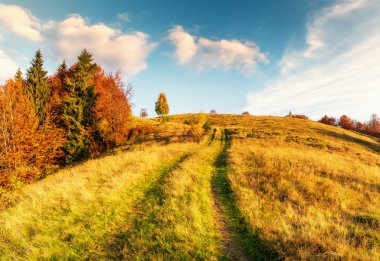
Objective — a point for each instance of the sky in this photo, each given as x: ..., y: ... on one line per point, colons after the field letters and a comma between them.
x: 311, y: 57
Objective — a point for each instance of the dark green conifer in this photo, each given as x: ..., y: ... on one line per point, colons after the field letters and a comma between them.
x: 62, y: 71
x: 78, y: 110
x: 37, y: 87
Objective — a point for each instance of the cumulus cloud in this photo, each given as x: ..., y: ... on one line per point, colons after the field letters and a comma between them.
x: 186, y: 48
x: 222, y: 54
x: 337, y: 72
x: 111, y: 47
x: 7, y: 67
x: 21, y: 22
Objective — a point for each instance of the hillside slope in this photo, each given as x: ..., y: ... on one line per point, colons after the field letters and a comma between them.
x: 271, y: 188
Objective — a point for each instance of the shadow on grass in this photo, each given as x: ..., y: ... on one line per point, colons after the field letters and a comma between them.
x: 374, y: 146
x: 250, y: 242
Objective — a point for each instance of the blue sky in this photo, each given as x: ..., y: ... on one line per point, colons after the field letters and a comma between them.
x: 267, y: 57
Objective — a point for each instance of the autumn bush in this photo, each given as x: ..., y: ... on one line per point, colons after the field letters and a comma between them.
x: 199, y: 124
x: 300, y: 116
x: 328, y: 120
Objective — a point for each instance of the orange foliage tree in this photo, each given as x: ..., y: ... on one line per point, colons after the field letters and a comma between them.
x: 346, y: 123
x: 328, y: 120
x: 27, y: 152
x: 112, y: 108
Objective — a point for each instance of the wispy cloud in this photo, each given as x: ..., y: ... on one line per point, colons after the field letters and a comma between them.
x: 124, y: 17
x: 203, y: 53
x: 337, y: 72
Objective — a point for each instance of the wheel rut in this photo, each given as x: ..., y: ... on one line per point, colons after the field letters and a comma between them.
x: 231, y: 250
x: 223, y: 202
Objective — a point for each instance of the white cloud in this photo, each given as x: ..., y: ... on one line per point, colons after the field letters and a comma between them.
x: 124, y: 17
x: 205, y: 53
x: 21, y: 22
x: 7, y: 67
x: 338, y: 71
x: 186, y: 47
x: 111, y: 47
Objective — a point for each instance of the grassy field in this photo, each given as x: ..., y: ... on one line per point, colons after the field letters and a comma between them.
x: 267, y: 188
x: 79, y: 211
x: 311, y: 191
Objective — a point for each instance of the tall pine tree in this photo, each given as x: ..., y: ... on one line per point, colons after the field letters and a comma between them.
x: 78, y: 108
x: 37, y: 87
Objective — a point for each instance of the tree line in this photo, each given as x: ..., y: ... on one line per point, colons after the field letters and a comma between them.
x: 372, y: 127
x: 50, y: 121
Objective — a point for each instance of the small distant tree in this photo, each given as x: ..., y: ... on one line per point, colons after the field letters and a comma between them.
x: 18, y: 76
x: 246, y: 113
x: 143, y: 113
x: 346, y: 123
x: 373, y: 126
x: 290, y: 115
x: 359, y: 126
x: 162, y: 106
x: 213, y: 111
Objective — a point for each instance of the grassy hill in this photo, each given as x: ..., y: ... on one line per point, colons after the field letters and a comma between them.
x: 264, y: 188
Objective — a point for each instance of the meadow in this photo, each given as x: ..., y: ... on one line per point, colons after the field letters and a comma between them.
x: 254, y: 188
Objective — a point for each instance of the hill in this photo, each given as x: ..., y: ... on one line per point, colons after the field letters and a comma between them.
x: 259, y: 188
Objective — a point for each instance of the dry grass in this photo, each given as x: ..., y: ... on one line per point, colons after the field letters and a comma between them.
x: 306, y: 191
x: 76, y: 213
x: 311, y: 191
x: 176, y: 220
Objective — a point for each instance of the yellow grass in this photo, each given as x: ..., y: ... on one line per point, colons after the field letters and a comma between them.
x: 311, y: 191
x: 306, y: 191
x: 76, y: 213
x: 177, y: 218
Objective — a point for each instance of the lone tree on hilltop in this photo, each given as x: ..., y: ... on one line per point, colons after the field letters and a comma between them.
x: 162, y: 106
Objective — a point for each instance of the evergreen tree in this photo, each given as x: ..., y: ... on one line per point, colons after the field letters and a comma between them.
x: 62, y: 71
x: 78, y: 108
x: 18, y: 76
x: 37, y: 87
x: 162, y: 106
